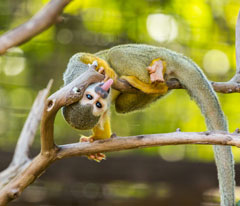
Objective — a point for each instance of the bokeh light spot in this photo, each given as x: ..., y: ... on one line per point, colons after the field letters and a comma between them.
x: 65, y: 36
x: 162, y: 27
x: 168, y: 154
x: 13, y: 62
x: 216, y: 62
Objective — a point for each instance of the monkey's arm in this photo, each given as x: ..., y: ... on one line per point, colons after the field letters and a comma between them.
x: 103, y: 129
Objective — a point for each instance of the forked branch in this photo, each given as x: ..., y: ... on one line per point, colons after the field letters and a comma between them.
x: 72, y: 93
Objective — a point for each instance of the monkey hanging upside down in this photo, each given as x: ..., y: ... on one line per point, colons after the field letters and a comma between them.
x: 146, y: 68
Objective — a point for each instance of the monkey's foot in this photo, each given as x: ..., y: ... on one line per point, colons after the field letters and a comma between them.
x: 156, y: 71
x: 86, y: 139
x: 98, y: 157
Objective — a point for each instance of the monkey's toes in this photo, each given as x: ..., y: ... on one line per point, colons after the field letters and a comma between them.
x: 98, y: 157
x: 86, y: 139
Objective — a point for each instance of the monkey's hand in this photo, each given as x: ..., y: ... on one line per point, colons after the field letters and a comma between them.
x: 107, y: 72
x: 98, y: 157
x: 99, y: 65
x: 156, y: 71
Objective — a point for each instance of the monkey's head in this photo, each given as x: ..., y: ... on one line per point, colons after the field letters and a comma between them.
x: 86, y: 113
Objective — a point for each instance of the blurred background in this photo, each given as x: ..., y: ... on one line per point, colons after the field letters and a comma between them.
x: 171, y: 175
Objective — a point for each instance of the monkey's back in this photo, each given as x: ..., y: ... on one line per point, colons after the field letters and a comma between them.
x: 133, y: 59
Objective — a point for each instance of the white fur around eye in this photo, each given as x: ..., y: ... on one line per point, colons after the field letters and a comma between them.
x: 95, y: 98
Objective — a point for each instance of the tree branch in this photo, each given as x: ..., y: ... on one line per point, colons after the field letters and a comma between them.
x: 141, y: 141
x: 20, y: 159
x: 67, y: 95
x: 47, y: 16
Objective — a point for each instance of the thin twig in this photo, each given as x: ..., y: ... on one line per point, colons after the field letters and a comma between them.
x: 47, y: 16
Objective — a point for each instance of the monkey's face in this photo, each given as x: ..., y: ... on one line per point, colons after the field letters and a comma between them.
x: 97, y: 95
x: 86, y: 113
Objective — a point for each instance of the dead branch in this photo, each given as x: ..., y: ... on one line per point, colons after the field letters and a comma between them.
x: 20, y: 159
x: 47, y: 16
x: 67, y: 95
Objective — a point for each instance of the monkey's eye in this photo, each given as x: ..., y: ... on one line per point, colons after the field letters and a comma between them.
x: 99, y: 105
x: 89, y: 96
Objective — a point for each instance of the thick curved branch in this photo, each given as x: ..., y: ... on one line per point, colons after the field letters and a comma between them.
x: 47, y: 16
x: 67, y: 95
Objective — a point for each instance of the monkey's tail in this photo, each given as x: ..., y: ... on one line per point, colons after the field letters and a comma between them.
x: 201, y: 91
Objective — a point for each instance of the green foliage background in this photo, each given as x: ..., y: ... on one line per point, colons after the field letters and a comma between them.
x: 89, y: 26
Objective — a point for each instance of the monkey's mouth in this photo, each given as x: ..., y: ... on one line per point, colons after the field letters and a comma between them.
x: 103, y: 89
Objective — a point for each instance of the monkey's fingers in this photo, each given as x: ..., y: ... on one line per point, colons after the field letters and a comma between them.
x: 101, y: 70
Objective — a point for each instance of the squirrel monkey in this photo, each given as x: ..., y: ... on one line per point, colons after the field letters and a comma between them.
x: 146, y: 68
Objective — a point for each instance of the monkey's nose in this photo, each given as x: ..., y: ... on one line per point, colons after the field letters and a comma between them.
x: 106, y: 86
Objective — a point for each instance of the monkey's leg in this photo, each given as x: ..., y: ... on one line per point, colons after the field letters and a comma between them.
x: 101, y: 131
x: 156, y: 70
x: 157, y: 84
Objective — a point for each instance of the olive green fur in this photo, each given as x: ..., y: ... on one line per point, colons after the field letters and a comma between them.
x: 133, y: 59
